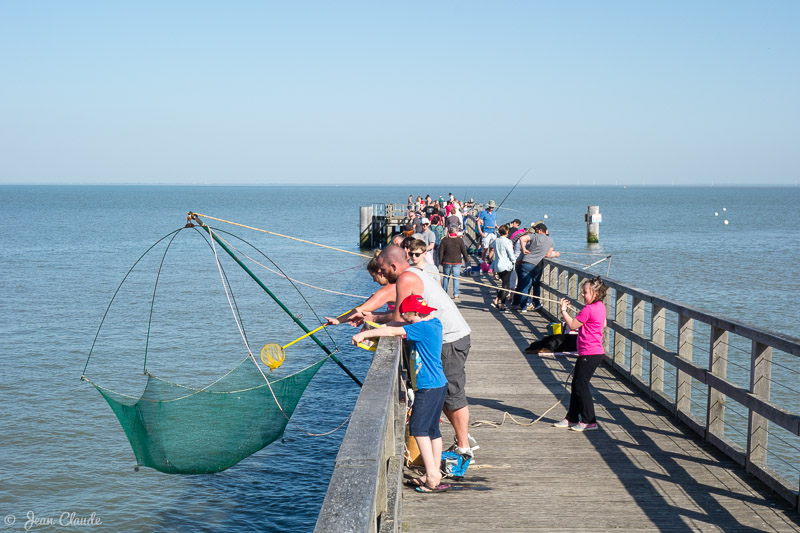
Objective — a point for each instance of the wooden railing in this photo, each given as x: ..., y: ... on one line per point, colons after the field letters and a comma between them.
x: 364, y: 492
x: 637, y: 346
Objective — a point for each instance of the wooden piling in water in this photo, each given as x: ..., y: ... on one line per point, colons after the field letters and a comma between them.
x: 593, y: 219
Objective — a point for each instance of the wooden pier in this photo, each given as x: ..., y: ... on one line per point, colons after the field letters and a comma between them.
x: 656, y: 464
x: 641, y: 471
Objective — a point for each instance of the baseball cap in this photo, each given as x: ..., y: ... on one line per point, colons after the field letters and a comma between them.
x: 415, y: 304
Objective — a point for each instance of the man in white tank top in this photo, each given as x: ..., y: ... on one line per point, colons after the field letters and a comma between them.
x: 455, y: 333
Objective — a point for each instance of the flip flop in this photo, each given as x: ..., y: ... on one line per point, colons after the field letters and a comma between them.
x: 415, y: 482
x: 442, y: 487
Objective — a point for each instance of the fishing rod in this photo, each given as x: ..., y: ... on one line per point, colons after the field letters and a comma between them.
x: 512, y: 188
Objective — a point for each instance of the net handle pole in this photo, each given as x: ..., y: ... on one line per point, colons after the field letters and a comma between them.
x: 336, y: 360
x: 313, y: 331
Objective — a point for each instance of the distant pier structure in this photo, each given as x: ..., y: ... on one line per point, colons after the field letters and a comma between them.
x: 378, y: 223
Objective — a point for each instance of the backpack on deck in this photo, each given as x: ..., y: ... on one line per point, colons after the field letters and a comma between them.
x: 565, y: 342
x: 455, y: 465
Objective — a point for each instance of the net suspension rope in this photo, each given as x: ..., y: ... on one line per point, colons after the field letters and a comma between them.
x: 239, y: 326
x: 192, y: 217
x: 253, y: 358
x: 365, y: 256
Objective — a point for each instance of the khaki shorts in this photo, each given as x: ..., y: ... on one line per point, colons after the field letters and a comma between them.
x: 488, y: 240
x: 454, y: 359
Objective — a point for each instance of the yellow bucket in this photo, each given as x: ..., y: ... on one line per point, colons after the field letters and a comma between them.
x: 554, y: 328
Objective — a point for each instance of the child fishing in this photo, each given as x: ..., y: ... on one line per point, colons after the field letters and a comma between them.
x: 590, y: 322
x: 424, y: 333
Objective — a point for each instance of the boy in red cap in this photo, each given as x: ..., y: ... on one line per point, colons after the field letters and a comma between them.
x: 424, y: 333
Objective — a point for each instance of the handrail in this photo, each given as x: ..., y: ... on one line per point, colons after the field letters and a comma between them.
x: 364, y: 492
x: 627, y: 343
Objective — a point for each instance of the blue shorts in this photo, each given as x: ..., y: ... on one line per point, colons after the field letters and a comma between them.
x: 426, y: 411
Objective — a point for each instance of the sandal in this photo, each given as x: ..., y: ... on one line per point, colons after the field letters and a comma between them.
x: 442, y: 487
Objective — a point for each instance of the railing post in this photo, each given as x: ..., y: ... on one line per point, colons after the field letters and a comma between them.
x: 544, y: 288
x: 552, y: 307
x: 572, y: 288
x: 637, y: 325
x: 657, y: 335
x: 621, y: 318
x: 717, y: 365
x: 760, y: 374
x: 683, y: 381
x: 607, y: 331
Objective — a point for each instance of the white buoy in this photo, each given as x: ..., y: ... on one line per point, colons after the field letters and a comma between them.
x: 724, y: 208
x: 545, y: 216
x: 726, y: 222
x: 716, y: 213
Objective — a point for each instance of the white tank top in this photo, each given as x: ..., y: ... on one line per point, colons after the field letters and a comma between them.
x: 454, y: 326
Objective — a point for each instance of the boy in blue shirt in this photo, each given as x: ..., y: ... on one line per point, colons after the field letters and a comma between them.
x: 424, y: 332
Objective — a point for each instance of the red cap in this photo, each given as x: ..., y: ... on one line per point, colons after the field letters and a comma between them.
x: 415, y: 303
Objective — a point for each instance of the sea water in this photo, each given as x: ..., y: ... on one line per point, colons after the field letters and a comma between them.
x: 66, y: 249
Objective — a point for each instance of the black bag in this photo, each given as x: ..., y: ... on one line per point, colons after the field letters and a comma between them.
x: 566, y: 342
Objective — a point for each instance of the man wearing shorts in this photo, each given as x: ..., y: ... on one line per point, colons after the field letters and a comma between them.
x: 487, y: 225
x: 455, y: 334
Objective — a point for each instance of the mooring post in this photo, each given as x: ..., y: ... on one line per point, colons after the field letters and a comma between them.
x: 365, y: 226
x: 593, y: 219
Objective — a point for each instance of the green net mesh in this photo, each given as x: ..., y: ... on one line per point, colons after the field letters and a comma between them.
x: 180, y: 430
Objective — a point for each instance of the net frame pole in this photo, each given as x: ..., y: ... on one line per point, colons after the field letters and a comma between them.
x: 275, y: 298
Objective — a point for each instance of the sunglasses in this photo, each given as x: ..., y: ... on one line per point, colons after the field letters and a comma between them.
x: 417, y: 254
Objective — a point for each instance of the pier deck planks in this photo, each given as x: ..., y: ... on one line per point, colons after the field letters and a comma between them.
x: 641, y: 471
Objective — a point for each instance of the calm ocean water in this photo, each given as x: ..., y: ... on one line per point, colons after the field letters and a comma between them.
x: 67, y: 248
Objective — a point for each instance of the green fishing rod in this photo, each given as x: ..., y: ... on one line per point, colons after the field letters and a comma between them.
x: 193, y: 217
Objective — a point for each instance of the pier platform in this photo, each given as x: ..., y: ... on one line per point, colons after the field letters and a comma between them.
x: 641, y: 471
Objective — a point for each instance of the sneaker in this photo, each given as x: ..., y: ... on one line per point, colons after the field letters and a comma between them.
x: 463, y: 451
x: 473, y: 444
x: 455, y: 297
x: 580, y: 426
x: 564, y: 423
x: 537, y: 307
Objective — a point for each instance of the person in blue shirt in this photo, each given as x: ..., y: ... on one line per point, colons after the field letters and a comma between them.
x: 487, y: 224
x: 424, y: 333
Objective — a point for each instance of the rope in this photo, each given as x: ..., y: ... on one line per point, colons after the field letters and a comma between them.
x: 108, y: 308
x: 480, y: 423
x: 284, y: 236
x: 461, y: 280
x: 283, y: 275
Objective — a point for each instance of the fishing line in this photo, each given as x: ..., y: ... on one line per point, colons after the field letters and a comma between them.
x: 514, y: 187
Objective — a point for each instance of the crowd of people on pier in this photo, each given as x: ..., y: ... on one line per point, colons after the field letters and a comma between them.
x: 437, y: 337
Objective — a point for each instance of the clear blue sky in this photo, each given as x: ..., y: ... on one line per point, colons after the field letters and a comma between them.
x: 247, y: 92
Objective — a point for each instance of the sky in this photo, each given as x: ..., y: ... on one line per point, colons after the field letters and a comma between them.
x: 258, y: 92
